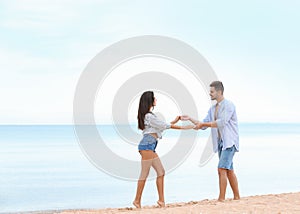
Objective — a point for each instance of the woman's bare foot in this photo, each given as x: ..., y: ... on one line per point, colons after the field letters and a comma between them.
x: 221, y: 200
x: 137, y: 204
x: 161, y: 203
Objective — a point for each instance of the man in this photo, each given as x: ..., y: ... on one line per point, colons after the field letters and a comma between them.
x: 222, y: 120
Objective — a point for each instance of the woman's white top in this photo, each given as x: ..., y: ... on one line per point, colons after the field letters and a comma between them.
x: 154, y: 125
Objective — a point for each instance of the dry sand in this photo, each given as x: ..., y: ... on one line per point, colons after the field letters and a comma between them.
x: 273, y: 203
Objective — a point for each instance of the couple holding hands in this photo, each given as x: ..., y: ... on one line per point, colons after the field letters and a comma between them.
x: 222, y: 120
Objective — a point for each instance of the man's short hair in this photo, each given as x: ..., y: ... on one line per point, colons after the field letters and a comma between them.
x: 218, y: 85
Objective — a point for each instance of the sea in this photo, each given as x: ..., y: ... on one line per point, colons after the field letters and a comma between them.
x: 45, y: 167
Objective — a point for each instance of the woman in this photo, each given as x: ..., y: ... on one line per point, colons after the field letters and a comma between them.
x: 152, y: 130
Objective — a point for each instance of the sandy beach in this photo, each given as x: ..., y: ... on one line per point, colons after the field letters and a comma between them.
x: 273, y: 203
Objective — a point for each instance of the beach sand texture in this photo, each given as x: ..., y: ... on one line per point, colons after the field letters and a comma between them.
x: 273, y: 203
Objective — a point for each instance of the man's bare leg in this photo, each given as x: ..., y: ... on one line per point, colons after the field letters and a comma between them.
x: 222, y: 183
x: 234, y: 184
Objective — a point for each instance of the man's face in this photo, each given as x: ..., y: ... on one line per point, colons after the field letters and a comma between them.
x: 213, y: 93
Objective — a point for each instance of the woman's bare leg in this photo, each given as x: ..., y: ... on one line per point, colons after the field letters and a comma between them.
x: 157, y: 165
x: 147, y: 157
x: 160, y: 188
x: 139, y: 192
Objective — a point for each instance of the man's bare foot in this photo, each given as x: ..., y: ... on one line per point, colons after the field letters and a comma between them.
x: 236, y: 198
x: 137, y: 204
x: 161, y: 203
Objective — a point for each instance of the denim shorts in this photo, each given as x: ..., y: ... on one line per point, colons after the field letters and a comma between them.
x: 148, y: 143
x: 225, y: 156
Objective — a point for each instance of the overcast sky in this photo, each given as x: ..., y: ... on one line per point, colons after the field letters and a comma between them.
x: 253, y: 47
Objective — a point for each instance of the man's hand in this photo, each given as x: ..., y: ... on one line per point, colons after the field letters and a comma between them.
x: 198, y: 126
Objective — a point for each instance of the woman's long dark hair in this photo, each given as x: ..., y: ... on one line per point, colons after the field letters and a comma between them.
x: 146, y: 101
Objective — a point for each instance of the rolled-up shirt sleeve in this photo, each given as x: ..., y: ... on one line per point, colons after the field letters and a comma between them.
x: 157, y: 123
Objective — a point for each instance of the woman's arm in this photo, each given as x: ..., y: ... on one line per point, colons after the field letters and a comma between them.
x: 182, y: 127
x: 157, y: 123
x: 175, y: 120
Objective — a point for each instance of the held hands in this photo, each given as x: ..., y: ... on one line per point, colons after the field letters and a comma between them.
x: 198, y: 126
x: 183, y: 118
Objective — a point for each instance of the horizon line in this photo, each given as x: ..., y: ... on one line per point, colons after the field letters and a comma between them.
x: 110, y: 124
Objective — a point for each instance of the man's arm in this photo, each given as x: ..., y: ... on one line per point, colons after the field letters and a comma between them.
x: 206, y: 124
x: 199, y: 125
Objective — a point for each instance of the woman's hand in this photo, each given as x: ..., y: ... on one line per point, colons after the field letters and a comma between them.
x: 184, y: 117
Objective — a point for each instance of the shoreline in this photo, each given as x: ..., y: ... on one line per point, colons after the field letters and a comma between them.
x: 271, y: 203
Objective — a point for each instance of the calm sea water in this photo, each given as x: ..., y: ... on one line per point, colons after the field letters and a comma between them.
x: 43, y: 168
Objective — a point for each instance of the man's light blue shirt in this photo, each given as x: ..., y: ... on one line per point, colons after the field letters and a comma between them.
x: 227, y: 125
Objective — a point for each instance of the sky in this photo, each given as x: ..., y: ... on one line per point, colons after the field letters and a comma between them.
x: 253, y: 46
